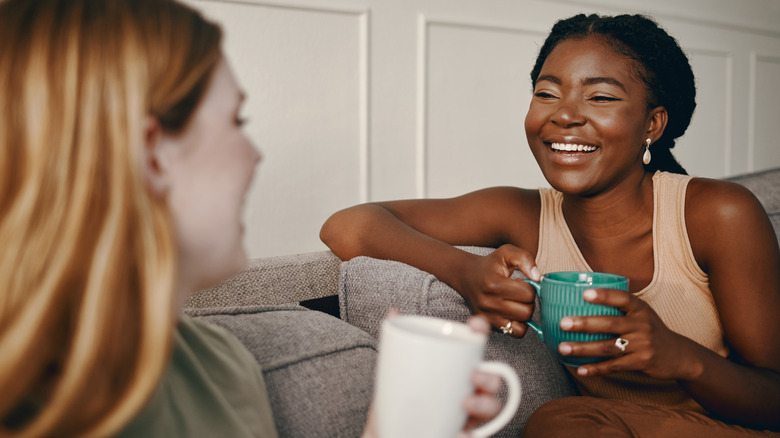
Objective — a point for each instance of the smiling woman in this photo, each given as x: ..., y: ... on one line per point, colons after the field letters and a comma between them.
x: 611, y: 96
x: 585, y: 95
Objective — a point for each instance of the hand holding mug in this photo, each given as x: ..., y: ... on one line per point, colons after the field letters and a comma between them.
x: 561, y: 298
x: 490, y: 291
x: 649, y: 345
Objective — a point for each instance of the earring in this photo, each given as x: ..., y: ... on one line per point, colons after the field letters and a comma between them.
x: 647, y: 157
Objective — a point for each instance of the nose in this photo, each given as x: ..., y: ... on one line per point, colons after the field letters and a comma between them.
x: 568, y: 115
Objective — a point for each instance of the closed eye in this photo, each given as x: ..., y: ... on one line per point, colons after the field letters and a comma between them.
x: 604, y: 98
x: 544, y: 95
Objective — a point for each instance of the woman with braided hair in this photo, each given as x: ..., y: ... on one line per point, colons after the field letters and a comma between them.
x: 611, y: 94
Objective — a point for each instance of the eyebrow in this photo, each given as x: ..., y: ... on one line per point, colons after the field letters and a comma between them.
x: 604, y: 80
x: 586, y: 81
x: 549, y: 78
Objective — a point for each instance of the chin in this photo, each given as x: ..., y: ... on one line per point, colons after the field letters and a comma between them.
x: 574, y: 183
x: 216, y: 273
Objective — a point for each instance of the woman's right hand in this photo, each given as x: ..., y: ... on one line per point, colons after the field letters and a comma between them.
x: 489, y: 289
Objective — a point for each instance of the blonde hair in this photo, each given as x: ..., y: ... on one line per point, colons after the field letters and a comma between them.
x: 87, y: 255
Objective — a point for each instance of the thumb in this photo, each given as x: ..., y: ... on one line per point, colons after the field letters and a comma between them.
x: 521, y: 259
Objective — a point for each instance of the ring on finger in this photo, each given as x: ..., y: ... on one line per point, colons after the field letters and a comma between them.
x: 507, y: 329
x: 621, y: 345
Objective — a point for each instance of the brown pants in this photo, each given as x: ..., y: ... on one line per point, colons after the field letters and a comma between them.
x: 585, y: 417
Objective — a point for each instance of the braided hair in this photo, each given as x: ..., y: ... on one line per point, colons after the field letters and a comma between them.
x: 659, y: 62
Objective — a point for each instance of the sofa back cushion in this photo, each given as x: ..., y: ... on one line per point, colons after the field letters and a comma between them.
x: 319, y: 370
x: 766, y: 186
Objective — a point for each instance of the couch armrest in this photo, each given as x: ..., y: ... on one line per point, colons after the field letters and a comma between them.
x: 275, y: 280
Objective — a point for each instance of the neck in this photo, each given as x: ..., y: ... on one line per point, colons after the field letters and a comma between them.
x: 624, y: 209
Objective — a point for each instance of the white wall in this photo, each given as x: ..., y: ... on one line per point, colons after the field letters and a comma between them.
x: 385, y: 99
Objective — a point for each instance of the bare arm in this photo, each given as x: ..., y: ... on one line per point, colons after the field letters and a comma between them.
x: 739, y: 250
x: 422, y: 233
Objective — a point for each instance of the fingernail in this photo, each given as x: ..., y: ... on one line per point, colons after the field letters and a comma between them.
x: 535, y: 274
x: 567, y: 323
x: 564, y: 348
x: 589, y: 294
x: 582, y: 371
x: 480, y: 324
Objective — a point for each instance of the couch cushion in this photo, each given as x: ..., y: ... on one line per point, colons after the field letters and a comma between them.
x: 368, y: 288
x: 765, y: 185
x: 319, y: 370
x: 275, y: 280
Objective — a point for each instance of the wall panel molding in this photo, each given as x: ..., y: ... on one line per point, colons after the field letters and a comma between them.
x: 363, y: 15
x: 756, y: 58
x: 728, y: 58
x: 331, y: 7
x: 425, y: 23
x: 761, y: 26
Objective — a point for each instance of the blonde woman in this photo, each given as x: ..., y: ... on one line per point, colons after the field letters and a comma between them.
x: 123, y: 170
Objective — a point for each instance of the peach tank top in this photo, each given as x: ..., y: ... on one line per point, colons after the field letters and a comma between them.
x: 679, y: 291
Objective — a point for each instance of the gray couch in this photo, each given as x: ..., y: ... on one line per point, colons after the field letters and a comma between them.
x: 319, y: 366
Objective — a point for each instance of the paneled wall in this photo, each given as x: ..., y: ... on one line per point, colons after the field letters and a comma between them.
x: 384, y: 99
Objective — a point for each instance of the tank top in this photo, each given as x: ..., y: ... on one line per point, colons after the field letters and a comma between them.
x: 679, y: 291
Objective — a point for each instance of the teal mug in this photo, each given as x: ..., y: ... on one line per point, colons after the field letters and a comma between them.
x: 560, y: 294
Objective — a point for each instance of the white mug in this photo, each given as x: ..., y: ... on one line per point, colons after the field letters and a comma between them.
x: 424, y: 373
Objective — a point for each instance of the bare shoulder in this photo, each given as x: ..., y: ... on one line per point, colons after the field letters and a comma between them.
x: 721, y: 214
x: 720, y: 202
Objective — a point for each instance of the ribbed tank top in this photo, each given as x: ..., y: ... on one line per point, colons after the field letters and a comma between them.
x: 679, y: 291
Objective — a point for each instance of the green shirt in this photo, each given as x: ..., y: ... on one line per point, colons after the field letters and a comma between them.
x: 213, y: 387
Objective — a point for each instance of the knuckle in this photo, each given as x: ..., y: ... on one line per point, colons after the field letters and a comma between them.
x: 490, y: 284
x: 525, y: 312
x: 505, y: 248
x: 479, y: 301
x: 646, y: 356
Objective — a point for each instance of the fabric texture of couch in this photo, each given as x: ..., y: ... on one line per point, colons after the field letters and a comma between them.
x: 319, y: 368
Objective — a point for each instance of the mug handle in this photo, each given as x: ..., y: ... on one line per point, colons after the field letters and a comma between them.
x: 530, y: 323
x: 512, y: 403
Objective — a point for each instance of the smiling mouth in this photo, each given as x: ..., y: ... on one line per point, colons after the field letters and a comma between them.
x: 572, y: 148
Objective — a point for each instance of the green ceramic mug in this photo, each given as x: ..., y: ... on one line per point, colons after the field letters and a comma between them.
x: 560, y: 294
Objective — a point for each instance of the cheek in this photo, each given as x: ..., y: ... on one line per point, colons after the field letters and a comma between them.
x: 623, y: 124
x: 534, y: 120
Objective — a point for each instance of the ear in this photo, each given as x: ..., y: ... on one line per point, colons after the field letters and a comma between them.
x: 656, y: 123
x: 153, y: 166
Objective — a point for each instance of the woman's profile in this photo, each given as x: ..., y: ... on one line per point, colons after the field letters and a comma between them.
x: 123, y: 173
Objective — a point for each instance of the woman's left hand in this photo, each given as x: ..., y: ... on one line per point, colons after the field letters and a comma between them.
x: 649, y: 346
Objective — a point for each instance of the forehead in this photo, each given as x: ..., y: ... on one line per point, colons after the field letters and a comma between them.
x: 590, y: 57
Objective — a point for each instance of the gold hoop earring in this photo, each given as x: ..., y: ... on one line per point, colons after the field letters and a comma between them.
x: 647, y: 157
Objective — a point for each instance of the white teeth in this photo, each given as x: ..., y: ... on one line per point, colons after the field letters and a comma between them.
x: 572, y: 147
